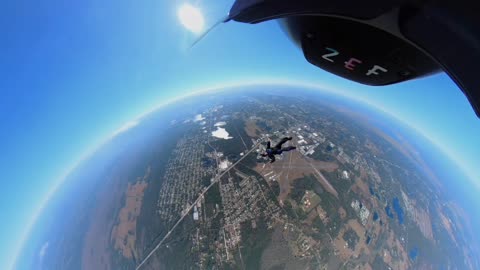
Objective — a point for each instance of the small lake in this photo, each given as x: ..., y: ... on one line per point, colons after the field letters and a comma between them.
x: 398, y: 209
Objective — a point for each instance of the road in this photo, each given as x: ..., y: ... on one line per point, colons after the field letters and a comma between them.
x: 217, y: 178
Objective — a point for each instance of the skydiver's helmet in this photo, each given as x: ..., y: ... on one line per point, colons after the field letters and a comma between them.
x: 380, y: 42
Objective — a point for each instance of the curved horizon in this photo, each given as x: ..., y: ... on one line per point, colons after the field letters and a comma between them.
x: 214, y: 89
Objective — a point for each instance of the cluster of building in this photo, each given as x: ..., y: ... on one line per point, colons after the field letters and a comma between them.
x: 182, y: 179
x: 244, y: 200
x: 307, y: 139
x: 301, y: 245
x: 361, y: 210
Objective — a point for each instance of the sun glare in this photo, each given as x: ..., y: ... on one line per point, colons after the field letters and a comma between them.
x: 191, y: 17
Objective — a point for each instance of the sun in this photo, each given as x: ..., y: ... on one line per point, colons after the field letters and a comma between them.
x: 191, y: 18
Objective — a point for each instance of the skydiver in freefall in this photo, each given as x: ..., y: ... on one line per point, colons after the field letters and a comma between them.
x: 278, y: 149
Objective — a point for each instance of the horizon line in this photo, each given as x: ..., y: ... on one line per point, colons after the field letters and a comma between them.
x: 204, y: 90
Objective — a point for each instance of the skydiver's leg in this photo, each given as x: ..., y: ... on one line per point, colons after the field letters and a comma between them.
x: 288, y: 148
x: 284, y: 140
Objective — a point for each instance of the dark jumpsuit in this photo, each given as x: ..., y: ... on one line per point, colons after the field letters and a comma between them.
x: 277, y: 149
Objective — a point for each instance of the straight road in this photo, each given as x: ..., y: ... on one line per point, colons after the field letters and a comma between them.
x: 217, y: 178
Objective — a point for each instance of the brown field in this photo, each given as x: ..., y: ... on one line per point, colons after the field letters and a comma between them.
x: 387, y: 257
x: 251, y: 128
x: 124, y: 234
x: 422, y: 219
x: 361, y: 248
x: 400, y: 263
x: 342, y: 212
x: 447, y: 225
x: 361, y: 187
x: 96, y: 249
x: 311, y: 217
x: 323, y: 215
x: 340, y: 244
x: 96, y: 253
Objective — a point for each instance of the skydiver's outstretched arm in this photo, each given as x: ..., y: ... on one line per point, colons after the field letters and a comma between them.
x: 284, y: 140
x: 268, y: 144
x: 288, y: 148
x: 272, y: 158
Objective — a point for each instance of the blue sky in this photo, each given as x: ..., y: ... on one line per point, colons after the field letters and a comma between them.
x: 74, y: 73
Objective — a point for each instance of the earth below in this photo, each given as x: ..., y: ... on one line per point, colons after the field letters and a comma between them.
x: 187, y: 188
